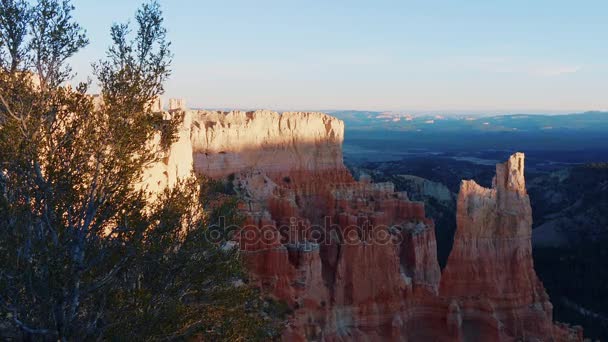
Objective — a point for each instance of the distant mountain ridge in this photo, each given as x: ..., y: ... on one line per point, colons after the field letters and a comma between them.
x: 398, y: 121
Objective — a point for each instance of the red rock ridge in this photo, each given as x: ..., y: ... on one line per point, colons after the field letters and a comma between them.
x: 356, y: 261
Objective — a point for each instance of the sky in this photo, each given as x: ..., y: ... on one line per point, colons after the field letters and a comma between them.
x: 532, y: 56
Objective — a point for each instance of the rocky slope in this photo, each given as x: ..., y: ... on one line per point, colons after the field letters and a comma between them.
x: 570, y: 254
x: 358, y: 261
x: 570, y: 206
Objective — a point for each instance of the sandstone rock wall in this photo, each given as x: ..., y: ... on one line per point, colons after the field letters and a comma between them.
x: 356, y: 260
x: 490, y: 275
x: 176, y: 162
x: 280, y: 144
x: 177, y: 104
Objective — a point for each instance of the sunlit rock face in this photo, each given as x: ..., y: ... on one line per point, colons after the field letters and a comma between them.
x: 490, y: 275
x: 352, y: 259
x: 176, y: 161
x: 279, y: 144
x: 357, y: 261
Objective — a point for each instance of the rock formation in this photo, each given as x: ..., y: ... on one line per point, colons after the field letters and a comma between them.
x: 356, y: 260
x: 177, y: 104
x: 424, y: 188
x: 156, y: 105
x: 490, y: 275
x: 286, y: 145
x: 176, y: 162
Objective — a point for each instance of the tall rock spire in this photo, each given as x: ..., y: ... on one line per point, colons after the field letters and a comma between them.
x: 490, y: 269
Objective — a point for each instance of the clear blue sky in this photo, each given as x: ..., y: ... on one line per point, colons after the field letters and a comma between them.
x: 454, y: 56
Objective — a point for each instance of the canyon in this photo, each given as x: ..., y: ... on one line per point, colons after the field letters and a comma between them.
x: 356, y: 260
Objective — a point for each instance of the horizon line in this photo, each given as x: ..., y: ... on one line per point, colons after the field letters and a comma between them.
x: 416, y: 112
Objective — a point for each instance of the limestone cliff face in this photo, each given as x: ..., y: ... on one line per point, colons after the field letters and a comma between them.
x: 176, y: 162
x: 356, y: 260
x: 230, y: 142
x: 424, y: 188
x: 490, y: 275
x: 351, y: 258
x: 492, y: 246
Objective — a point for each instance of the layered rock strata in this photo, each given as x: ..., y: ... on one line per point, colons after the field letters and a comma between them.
x: 356, y: 260
x: 308, y: 220
x: 490, y: 277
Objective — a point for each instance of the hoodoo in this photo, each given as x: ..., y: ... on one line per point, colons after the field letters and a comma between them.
x: 350, y: 258
x: 356, y: 260
x: 490, y: 273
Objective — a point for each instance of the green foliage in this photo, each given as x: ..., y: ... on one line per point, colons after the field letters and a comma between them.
x: 55, y: 38
x: 84, y: 253
x: 14, y: 17
x: 136, y: 68
x: 188, y: 284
